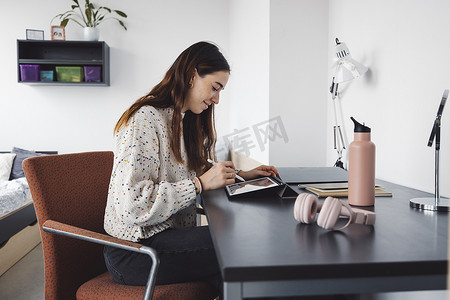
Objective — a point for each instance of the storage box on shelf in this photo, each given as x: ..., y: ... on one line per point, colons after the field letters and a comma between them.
x: 69, y: 74
x: 89, y: 59
x: 92, y: 73
x: 46, y: 75
x: 29, y: 72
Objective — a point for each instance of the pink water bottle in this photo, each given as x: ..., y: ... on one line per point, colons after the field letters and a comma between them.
x: 361, y: 167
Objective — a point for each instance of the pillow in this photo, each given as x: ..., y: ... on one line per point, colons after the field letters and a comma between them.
x: 21, y: 155
x: 6, y: 162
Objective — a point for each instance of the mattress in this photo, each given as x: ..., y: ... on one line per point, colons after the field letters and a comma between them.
x: 14, y: 194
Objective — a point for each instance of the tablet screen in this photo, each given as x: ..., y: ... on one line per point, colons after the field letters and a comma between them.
x: 251, y: 185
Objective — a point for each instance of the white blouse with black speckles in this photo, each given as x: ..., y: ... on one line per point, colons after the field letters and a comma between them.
x: 149, y: 190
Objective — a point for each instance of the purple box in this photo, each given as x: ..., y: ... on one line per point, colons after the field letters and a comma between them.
x: 93, y: 73
x: 29, y: 72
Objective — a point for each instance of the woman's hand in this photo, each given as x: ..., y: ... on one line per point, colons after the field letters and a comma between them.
x: 260, y: 171
x: 220, y: 174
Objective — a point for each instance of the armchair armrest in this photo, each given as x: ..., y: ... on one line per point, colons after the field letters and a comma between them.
x: 103, y: 239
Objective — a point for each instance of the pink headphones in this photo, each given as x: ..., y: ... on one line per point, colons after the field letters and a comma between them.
x: 306, y: 207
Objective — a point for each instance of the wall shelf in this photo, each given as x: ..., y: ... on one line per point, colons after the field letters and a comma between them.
x: 49, y: 54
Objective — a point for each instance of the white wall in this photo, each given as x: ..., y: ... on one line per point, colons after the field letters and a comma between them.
x: 73, y: 119
x: 249, y: 81
x: 298, y: 80
x: 406, y: 45
x: 276, y: 50
x: 278, y: 53
x: 283, y: 72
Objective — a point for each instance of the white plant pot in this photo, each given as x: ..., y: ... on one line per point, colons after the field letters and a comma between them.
x: 91, y: 33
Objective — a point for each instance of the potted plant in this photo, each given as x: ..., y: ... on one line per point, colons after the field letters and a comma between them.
x: 89, y: 17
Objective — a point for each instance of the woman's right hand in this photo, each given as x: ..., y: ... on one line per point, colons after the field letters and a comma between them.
x: 221, y: 174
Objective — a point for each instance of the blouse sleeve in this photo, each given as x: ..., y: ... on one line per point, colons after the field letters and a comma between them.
x: 140, y: 198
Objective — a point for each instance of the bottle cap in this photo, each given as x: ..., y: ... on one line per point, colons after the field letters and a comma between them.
x: 360, y: 127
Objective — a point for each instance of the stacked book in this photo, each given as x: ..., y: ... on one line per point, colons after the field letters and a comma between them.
x: 338, y: 189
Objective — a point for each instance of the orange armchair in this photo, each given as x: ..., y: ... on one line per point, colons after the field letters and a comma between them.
x: 69, y: 194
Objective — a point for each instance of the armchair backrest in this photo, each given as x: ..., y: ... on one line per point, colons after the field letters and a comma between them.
x: 72, y: 189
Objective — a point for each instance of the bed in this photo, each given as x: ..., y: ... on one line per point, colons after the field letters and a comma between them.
x: 19, y: 231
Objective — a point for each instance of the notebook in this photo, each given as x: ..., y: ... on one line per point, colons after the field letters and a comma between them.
x: 339, y: 189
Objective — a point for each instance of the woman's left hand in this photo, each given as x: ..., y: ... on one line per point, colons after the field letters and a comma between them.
x: 260, y: 171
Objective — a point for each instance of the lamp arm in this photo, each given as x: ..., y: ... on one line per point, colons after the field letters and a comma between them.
x: 339, y: 142
x: 438, y: 133
x: 435, y: 133
x: 334, y: 89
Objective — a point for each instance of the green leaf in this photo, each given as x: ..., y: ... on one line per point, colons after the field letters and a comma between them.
x: 123, y: 25
x: 64, y: 22
x: 67, y: 14
x: 88, y: 16
x: 121, y: 13
x: 61, y: 16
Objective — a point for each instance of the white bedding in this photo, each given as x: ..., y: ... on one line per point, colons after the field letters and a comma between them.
x: 13, y: 195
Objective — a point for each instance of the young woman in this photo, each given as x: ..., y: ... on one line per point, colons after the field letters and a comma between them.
x: 163, y: 143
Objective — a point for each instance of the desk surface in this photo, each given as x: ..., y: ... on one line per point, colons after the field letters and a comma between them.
x: 259, y: 240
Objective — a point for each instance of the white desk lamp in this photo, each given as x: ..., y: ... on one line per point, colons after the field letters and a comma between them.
x: 346, y: 69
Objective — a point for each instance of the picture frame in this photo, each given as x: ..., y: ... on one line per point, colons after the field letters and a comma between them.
x: 33, y: 34
x: 58, y: 33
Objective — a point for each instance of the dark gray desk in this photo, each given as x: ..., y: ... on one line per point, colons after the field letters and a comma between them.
x: 262, y: 251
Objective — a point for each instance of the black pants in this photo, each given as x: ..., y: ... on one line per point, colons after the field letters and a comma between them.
x: 185, y: 255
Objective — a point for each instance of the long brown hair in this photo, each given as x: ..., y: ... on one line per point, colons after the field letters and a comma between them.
x: 198, y: 130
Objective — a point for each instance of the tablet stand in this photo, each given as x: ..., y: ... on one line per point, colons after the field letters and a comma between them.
x: 437, y: 203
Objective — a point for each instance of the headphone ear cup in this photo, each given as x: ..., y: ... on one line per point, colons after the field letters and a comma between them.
x: 305, y: 208
x: 329, y: 213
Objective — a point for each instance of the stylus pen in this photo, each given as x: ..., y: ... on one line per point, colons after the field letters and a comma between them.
x: 279, y: 177
x: 214, y: 163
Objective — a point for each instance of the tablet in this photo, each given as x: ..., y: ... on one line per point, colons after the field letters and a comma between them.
x: 251, y: 186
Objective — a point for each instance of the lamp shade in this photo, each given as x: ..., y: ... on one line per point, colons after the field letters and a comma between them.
x: 347, y: 68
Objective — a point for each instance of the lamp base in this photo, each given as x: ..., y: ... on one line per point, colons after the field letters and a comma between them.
x: 442, y: 204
